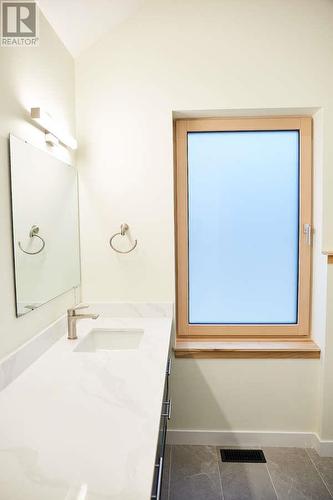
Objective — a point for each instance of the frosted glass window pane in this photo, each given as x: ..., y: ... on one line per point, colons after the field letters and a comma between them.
x: 243, y: 195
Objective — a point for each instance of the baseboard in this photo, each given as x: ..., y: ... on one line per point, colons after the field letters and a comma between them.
x: 251, y: 439
x: 323, y: 447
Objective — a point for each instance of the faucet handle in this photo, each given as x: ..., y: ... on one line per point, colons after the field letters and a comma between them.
x: 72, y: 311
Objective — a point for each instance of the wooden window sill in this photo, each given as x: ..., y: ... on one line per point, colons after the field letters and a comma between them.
x: 246, y: 349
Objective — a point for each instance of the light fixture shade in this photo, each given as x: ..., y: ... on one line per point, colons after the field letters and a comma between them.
x: 47, y: 123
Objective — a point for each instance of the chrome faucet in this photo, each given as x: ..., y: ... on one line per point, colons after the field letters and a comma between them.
x: 72, y: 318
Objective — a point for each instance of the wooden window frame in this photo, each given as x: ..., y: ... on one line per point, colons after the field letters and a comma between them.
x: 187, y: 331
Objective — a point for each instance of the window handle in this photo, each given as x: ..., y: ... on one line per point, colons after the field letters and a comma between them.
x: 307, y: 230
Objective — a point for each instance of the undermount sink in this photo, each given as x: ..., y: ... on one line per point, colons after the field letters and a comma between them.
x: 100, y: 339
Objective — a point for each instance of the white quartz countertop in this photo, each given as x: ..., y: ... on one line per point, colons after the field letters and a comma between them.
x: 84, y: 426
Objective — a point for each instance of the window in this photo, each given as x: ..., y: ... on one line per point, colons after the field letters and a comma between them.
x: 243, y: 216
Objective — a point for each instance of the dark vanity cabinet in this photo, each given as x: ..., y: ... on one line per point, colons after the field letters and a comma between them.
x: 165, y: 417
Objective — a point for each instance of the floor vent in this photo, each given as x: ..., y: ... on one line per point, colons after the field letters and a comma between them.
x: 244, y: 456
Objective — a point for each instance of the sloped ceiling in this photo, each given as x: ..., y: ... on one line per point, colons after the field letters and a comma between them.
x: 80, y: 23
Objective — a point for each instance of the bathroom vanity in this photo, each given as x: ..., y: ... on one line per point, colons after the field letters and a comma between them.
x: 87, y: 420
x: 83, y: 418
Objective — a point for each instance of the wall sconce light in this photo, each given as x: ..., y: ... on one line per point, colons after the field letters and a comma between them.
x: 51, y: 139
x: 52, y: 129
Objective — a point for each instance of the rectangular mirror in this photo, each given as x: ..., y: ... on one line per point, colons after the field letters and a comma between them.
x: 45, y: 225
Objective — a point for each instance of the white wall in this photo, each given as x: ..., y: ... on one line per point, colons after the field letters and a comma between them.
x: 326, y: 387
x: 41, y: 76
x: 247, y: 395
x: 192, y: 55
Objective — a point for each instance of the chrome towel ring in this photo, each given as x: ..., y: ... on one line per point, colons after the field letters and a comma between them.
x: 123, y: 229
x: 34, y: 234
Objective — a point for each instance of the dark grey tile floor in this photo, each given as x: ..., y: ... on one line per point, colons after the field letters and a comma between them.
x: 197, y: 473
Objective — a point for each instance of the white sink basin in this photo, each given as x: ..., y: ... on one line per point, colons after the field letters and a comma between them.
x: 99, y: 340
